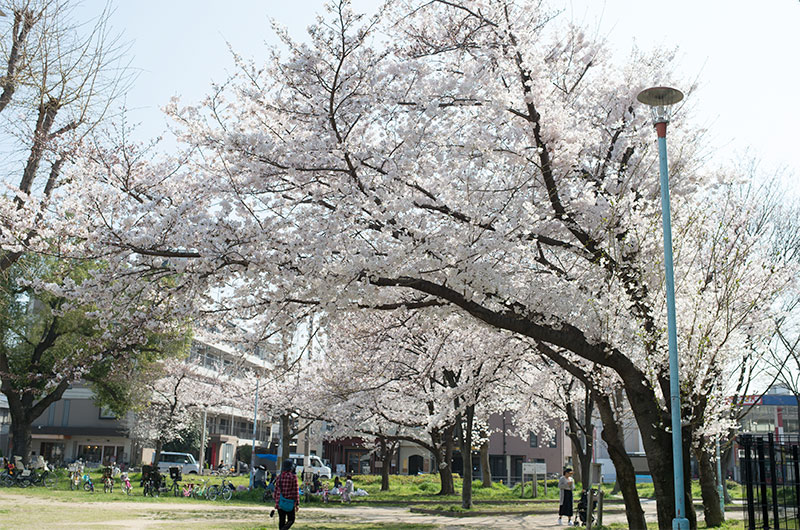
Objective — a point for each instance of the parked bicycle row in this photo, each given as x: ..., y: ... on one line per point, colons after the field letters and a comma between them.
x: 16, y: 474
x: 154, y: 484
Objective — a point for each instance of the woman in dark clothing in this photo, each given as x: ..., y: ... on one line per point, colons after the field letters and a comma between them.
x: 286, y: 487
x: 565, y: 486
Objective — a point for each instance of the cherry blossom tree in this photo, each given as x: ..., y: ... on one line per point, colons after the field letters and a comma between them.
x: 484, y: 157
x: 180, y: 390
x: 430, y: 384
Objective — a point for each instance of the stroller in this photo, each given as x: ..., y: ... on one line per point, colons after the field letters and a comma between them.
x: 583, y: 503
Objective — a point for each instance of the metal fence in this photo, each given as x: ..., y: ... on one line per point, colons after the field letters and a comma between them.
x: 771, y: 479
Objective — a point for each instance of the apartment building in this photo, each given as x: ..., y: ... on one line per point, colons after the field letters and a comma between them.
x: 75, y: 427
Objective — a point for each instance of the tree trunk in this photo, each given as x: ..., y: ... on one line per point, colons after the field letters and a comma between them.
x: 578, y: 454
x: 387, y: 451
x: 617, y: 488
x: 21, y: 440
x: 658, y: 446
x: 286, y: 438
x: 24, y: 410
x: 588, y: 429
x: 386, y: 462
x: 464, y: 426
x: 444, y: 457
x: 486, y: 470
x: 708, y: 485
x: 653, y: 425
x: 157, y: 456
x: 626, y: 476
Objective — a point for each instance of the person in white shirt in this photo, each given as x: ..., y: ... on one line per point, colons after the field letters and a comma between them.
x: 565, y: 486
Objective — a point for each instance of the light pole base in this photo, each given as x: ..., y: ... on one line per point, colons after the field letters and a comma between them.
x: 680, y: 523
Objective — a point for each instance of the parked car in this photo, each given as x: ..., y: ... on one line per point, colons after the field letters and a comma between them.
x: 185, y: 461
x: 316, y: 465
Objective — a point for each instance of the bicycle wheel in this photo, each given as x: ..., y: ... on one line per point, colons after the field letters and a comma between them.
x: 25, y: 483
x: 49, y: 480
x: 226, y: 494
x: 211, y: 493
x: 176, y: 490
x: 88, y: 486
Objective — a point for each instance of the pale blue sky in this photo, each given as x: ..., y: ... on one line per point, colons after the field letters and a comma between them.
x: 745, y: 54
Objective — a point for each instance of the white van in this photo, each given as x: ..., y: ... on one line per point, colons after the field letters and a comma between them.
x: 185, y: 461
x: 316, y: 465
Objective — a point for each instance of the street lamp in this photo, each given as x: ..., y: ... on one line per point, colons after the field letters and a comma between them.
x: 660, y: 100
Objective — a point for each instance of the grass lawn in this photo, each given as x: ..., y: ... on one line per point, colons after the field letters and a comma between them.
x: 404, y: 490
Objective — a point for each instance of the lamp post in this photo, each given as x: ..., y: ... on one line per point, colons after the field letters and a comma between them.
x: 660, y: 101
x: 720, y: 489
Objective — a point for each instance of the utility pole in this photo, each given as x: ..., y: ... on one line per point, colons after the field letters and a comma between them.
x: 255, y: 425
x: 203, y: 443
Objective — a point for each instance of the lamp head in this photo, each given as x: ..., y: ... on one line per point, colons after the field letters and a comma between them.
x: 660, y: 99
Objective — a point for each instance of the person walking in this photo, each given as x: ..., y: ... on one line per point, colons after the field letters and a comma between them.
x: 565, y: 486
x: 287, y: 495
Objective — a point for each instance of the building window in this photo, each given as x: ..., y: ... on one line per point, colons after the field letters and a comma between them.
x: 534, y: 440
x: 90, y: 453
x: 65, y: 414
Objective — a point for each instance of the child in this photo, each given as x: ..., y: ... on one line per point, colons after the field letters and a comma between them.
x: 348, y: 489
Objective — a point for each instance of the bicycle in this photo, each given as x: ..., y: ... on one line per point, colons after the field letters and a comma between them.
x: 204, y: 491
x: 46, y: 478
x: 88, y: 485
x: 14, y: 475
x: 156, y: 485
x: 108, y: 480
x: 188, y: 488
x: 75, y: 475
x: 176, y: 476
x: 126, y: 483
x: 224, y: 490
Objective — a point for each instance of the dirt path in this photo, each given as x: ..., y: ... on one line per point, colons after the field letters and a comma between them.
x: 26, y: 511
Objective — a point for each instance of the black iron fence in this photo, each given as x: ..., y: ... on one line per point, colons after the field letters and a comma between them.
x: 770, y: 468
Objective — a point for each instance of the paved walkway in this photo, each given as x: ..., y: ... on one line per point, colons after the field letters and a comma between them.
x: 390, y: 515
x: 27, y: 511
